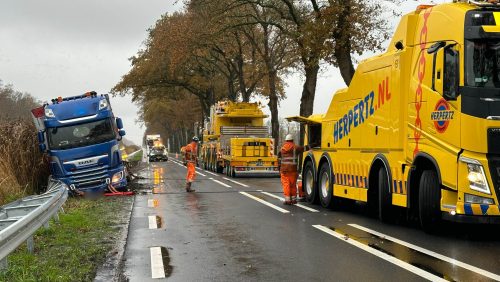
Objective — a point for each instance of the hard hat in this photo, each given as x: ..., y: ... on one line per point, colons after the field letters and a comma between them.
x: 289, y: 137
x: 195, y: 139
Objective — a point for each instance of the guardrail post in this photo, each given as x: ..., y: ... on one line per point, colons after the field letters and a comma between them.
x: 30, y: 244
x: 4, y: 263
x: 56, y: 217
x: 46, y: 225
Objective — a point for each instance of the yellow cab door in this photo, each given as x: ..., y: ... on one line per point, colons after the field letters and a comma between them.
x: 442, y: 124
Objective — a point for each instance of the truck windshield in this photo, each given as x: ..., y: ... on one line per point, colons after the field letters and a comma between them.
x: 483, y: 63
x: 157, y: 151
x: 80, y: 135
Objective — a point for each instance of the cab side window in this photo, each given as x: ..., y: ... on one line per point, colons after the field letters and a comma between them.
x: 451, y: 74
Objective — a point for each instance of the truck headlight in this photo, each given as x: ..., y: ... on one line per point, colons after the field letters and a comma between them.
x: 117, y: 177
x: 49, y: 113
x: 477, y: 178
x: 103, y: 104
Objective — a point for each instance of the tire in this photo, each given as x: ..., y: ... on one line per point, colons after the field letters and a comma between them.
x: 429, y: 196
x: 220, y: 168
x: 308, y: 183
x: 385, y: 208
x: 325, y: 186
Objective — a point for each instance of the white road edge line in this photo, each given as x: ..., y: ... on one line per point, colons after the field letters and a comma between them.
x: 152, y: 222
x: 282, y: 199
x: 221, y: 183
x: 244, y: 185
x: 382, y: 255
x: 264, y: 202
x: 430, y: 253
x: 157, y: 270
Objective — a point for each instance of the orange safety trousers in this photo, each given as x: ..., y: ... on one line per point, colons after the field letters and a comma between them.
x: 289, y: 182
x: 190, y: 172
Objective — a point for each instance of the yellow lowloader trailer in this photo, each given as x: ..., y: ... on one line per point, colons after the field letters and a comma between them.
x: 236, y: 142
x: 419, y: 125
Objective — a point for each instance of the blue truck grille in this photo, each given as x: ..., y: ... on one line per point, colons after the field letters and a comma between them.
x: 89, y: 177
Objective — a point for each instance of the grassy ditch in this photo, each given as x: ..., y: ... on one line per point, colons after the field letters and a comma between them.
x: 74, y: 248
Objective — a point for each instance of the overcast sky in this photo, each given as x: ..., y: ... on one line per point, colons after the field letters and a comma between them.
x: 64, y: 48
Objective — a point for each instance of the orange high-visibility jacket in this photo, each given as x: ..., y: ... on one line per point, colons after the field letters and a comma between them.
x: 290, y: 156
x: 191, y: 152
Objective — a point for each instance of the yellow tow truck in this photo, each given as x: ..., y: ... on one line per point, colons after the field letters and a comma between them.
x: 419, y: 126
x: 236, y: 142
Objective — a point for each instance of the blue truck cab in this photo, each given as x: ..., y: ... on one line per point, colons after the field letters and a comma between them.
x: 80, y: 135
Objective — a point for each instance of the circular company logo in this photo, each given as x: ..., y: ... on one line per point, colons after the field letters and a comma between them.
x: 442, y: 115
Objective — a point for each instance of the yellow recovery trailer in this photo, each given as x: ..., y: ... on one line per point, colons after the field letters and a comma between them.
x: 419, y: 126
x: 236, y: 142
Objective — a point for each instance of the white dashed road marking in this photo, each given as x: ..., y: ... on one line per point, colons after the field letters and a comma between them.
x: 221, y: 183
x: 264, y: 202
x: 282, y: 199
x: 151, y: 203
x: 152, y: 222
x: 157, y: 270
x: 210, y: 172
x: 234, y: 181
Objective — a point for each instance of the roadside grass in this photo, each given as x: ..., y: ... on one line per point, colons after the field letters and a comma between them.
x: 74, y: 248
x: 137, y: 157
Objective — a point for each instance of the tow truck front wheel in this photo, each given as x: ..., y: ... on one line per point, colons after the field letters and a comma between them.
x: 308, y: 183
x: 429, y: 201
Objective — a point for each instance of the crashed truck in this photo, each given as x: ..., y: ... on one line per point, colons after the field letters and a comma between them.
x: 80, y: 136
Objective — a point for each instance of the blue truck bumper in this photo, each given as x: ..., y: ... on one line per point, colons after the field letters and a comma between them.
x: 96, y: 184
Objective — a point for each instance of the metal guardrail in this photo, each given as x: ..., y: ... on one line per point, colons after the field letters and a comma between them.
x: 20, y: 219
x: 134, y: 153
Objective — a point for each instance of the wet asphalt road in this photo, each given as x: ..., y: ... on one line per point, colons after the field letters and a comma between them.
x: 221, y: 234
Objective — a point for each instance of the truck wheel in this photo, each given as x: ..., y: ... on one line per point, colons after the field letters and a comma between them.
x: 385, y: 208
x: 429, y: 197
x: 220, y: 168
x: 325, y: 187
x: 308, y: 183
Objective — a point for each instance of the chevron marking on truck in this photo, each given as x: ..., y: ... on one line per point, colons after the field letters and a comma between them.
x: 421, y: 74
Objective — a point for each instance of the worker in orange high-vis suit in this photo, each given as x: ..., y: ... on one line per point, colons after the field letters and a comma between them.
x: 289, y: 160
x: 191, y: 157
x: 183, y: 155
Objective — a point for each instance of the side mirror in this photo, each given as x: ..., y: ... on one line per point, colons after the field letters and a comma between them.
x: 435, y: 47
x: 119, y: 124
x: 42, y: 147
x: 41, y: 137
x: 121, y: 132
